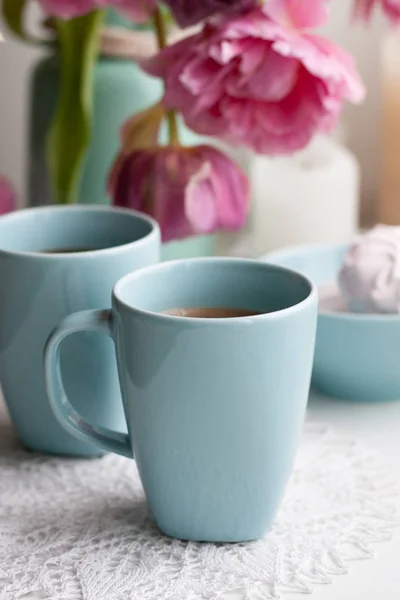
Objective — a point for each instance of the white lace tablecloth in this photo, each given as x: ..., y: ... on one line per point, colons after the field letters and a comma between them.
x: 78, y: 530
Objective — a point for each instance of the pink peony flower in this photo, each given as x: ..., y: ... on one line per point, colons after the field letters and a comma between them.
x: 138, y: 10
x: 190, y: 12
x: 188, y: 191
x: 391, y: 8
x: 7, y: 197
x: 259, y: 78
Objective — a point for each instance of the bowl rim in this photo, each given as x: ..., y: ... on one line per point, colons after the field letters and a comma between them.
x: 282, y: 253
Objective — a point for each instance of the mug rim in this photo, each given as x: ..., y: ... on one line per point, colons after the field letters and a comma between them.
x: 200, y: 321
x: 154, y: 232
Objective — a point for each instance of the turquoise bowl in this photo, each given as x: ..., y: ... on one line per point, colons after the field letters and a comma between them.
x: 357, y: 356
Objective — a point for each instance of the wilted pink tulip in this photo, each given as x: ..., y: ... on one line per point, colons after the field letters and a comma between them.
x: 190, y: 12
x: 259, y: 78
x: 138, y: 10
x: 189, y: 191
x: 391, y: 8
x: 7, y: 197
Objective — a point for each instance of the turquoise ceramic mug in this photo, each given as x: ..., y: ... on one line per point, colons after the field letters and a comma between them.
x: 55, y: 261
x: 214, y: 406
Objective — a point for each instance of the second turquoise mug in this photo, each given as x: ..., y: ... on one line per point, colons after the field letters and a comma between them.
x: 43, y: 278
x: 214, y: 407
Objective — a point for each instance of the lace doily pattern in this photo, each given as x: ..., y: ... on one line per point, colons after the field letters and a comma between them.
x: 79, y: 530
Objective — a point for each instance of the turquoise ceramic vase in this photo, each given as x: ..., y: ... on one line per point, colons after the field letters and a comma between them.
x: 121, y: 88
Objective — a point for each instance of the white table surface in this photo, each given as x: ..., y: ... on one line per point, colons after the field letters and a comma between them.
x: 377, y: 426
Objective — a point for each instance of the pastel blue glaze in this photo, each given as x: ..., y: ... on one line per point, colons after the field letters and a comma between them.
x: 120, y: 89
x: 356, y: 355
x: 38, y: 290
x: 214, y: 407
x: 196, y: 246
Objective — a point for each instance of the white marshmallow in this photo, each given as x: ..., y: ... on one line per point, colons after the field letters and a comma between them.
x: 370, y: 276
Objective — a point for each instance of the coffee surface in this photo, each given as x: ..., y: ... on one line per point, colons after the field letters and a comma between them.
x: 210, y: 313
x: 68, y: 250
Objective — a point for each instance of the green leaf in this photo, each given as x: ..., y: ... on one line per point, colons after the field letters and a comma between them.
x: 13, y: 15
x: 142, y: 130
x: 70, y: 131
x: 167, y: 15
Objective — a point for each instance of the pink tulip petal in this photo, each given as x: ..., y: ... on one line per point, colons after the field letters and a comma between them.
x: 271, y: 82
x: 391, y: 8
x: 200, y: 206
x: 299, y: 14
x: 338, y: 64
x: 231, y: 186
x: 363, y: 9
x: 140, y: 11
x: 393, y: 11
x: 7, y: 197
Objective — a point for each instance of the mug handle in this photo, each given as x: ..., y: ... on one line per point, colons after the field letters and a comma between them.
x: 100, y: 321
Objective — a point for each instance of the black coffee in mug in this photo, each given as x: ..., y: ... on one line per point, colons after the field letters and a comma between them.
x: 68, y: 250
x: 210, y: 313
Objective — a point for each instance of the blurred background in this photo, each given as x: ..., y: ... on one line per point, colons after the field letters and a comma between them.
x: 362, y: 129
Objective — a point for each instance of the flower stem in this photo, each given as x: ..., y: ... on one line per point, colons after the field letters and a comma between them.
x: 173, y: 128
x: 159, y: 27
x: 161, y: 34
